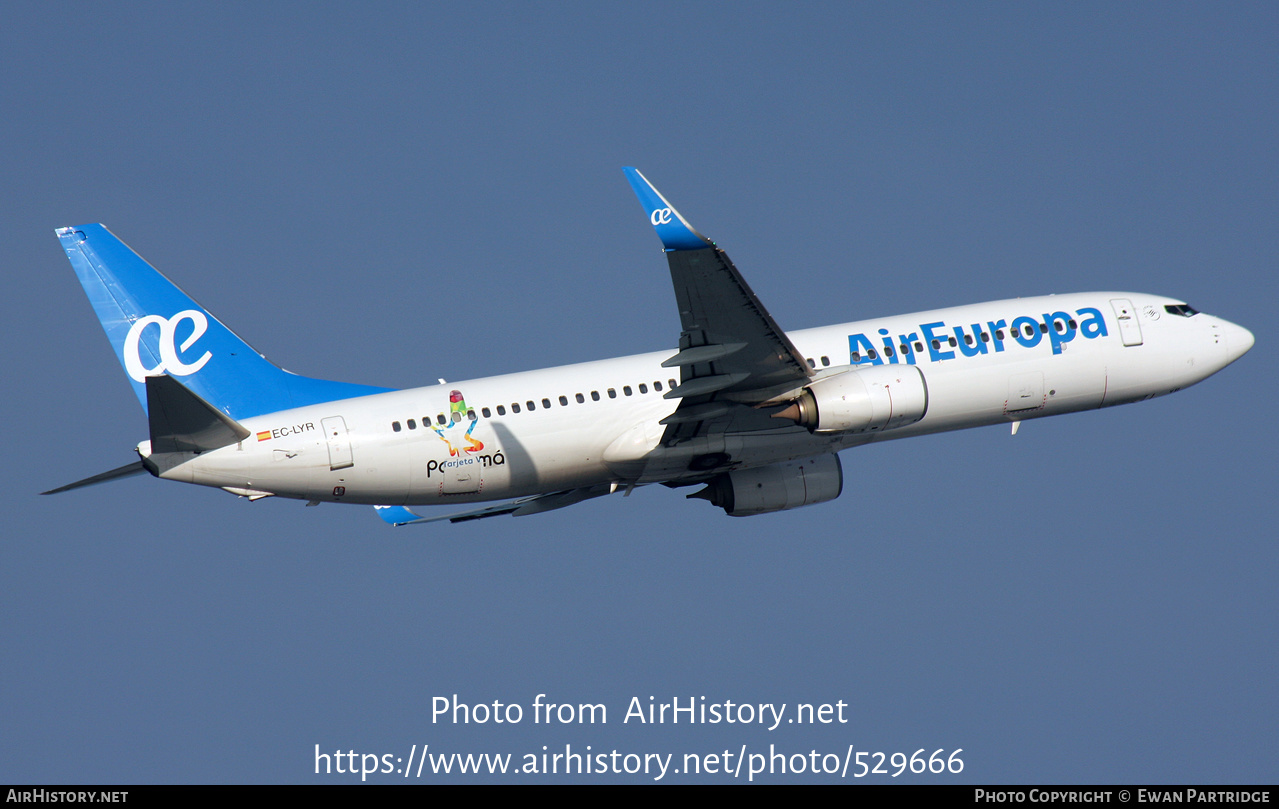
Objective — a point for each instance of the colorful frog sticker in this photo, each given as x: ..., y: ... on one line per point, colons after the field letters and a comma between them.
x: 459, y: 414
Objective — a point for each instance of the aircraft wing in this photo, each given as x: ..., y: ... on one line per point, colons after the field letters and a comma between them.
x: 732, y: 354
x: 399, y: 515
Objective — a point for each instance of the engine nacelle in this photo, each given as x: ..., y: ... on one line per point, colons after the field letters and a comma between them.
x: 777, y: 487
x: 879, y: 397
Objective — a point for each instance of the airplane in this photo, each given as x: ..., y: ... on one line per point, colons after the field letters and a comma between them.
x: 754, y: 415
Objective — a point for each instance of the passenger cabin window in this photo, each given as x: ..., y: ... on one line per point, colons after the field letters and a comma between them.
x: 626, y: 389
x: 395, y: 425
x: 595, y: 396
x: 531, y: 406
x: 412, y: 424
x: 657, y: 386
x: 672, y: 381
x: 825, y: 361
x: 545, y: 403
x: 563, y: 401
x: 612, y: 394
x: 485, y: 412
x: 580, y: 398
x: 515, y: 407
x: 440, y: 418
x: 643, y: 388
x: 811, y: 364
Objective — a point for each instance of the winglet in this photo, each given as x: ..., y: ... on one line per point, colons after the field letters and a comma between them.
x: 674, y: 230
x: 397, y: 515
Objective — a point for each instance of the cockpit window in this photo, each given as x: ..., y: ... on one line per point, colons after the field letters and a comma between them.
x: 1181, y: 310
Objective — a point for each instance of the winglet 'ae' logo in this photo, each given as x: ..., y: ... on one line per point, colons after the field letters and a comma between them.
x: 661, y: 216
x: 169, y: 361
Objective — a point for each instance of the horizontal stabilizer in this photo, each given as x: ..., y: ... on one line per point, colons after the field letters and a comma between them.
x: 183, y: 422
x: 128, y: 470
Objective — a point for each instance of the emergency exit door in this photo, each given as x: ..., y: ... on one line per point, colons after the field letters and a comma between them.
x: 1129, y: 328
x: 338, y: 441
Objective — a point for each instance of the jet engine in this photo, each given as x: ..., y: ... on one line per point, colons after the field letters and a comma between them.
x: 878, y: 397
x: 777, y: 487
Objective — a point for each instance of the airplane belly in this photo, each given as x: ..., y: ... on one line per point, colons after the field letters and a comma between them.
x: 980, y: 395
x: 443, y: 471
x: 506, y: 464
x: 1078, y: 386
x: 998, y: 393
x: 1144, y: 371
x: 286, y: 471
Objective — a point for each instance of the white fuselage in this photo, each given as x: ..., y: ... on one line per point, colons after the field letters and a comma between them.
x: 598, y: 422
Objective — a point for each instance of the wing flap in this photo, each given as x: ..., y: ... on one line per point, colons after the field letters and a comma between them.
x: 706, y: 353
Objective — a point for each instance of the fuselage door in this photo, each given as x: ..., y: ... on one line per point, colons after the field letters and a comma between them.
x: 1129, y: 328
x: 339, y: 443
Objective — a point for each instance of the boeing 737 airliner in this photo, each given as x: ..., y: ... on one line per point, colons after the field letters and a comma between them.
x: 753, y: 414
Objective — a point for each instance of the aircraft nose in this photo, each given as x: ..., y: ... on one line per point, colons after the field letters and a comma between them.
x: 1238, y: 340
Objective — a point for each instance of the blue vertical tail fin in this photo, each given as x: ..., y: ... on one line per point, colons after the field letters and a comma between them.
x: 156, y: 328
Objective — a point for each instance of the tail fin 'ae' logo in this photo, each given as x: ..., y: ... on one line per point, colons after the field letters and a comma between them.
x: 661, y: 216
x: 169, y: 360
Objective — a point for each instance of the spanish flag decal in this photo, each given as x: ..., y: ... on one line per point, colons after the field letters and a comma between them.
x: 264, y: 435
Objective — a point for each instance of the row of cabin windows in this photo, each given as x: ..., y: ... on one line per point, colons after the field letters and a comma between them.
x: 968, y: 340
x: 531, y: 404
x: 426, y: 421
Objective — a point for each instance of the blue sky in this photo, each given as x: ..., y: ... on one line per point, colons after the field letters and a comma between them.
x: 392, y: 193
